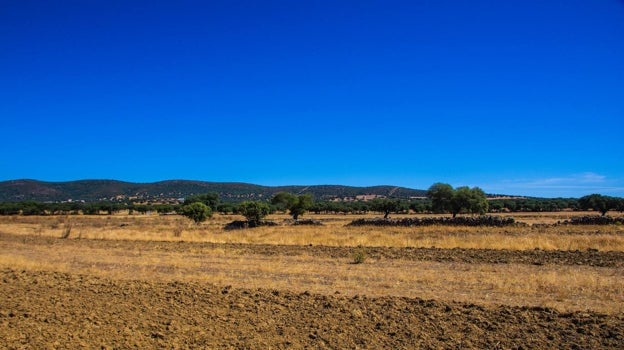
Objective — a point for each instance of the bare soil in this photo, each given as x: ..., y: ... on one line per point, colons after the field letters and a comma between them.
x: 56, y: 310
x: 49, y: 309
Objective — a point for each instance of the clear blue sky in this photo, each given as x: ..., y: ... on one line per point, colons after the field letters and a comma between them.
x: 516, y: 97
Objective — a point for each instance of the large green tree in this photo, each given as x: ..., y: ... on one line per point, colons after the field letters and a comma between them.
x: 460, y: 200
x: 441, y: 196
x: 599, y: 203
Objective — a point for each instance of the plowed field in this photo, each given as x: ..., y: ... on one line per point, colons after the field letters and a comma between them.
x: 57, y: 310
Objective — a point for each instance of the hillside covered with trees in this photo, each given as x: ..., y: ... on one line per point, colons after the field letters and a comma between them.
x: 172, y: 190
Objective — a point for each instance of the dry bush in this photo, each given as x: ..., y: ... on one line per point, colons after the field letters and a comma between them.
x: 67, y: 230
x: 358, y: 256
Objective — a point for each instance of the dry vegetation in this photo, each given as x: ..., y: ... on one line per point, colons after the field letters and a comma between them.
x: 564, y: 287
x: 162, y: 249
x: 333, y: 233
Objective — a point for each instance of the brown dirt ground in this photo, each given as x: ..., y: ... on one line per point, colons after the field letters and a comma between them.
x: 56, y: 310
x: 48, y: 309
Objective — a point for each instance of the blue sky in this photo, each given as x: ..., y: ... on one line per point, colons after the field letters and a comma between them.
x: 516, y: 97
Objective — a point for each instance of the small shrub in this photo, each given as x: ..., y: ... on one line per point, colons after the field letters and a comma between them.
x: 359, y: 256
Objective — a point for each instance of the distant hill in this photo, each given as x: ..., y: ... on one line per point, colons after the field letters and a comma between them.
x: 107, y: 190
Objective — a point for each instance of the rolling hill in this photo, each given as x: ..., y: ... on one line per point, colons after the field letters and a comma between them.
x: 107, y: 190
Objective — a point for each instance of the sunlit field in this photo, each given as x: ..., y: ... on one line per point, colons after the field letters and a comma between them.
x: 562, y: 286
x: 162, y: 281
x: 539, y: 233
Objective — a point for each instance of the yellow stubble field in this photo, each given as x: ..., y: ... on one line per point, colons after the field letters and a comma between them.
x: 170, y: 247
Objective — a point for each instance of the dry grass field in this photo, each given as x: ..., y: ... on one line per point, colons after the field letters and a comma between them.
x: 334, y: 232
x: 551, y: 274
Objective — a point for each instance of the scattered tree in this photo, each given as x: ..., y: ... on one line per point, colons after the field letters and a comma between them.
x: 253, y: 211
x: 301, y: 206
x: 478, y: 201
x: 599, y: 203
x: 197, y: 211
x: 209, y: 199
x: 441, y: 196
x: 460, y: 200
x: 387, y: 206
x: 226, y: 208
x: 296, y: 205
x: 420, y: 205
x: 283, y: 200
x: 164, y: 208
x: 469, y: 200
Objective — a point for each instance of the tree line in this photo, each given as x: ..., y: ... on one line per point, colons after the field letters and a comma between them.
x: 441, y: 198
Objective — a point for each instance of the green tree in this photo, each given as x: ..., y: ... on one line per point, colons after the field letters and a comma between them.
x: 420, y: 205
x: 296, y: 205
x: 387, y: 206
x: 226, y: 208
x: 441, y: 196
x: 460, y: 200
x: 210, y: 199
x: 163, y: 208
x: 253, y: 211
x: 598, y: 203
x: 469, y: 200
x: 301, y: 206
x: 9, y: 209
x: 283, y: 200
x: 478, y: 201
x: 496, y: 206
x: 619, y: 204
x: 32, y: 208
x: 197, y: 211
x: 90, y: 209
x: 141, y: 208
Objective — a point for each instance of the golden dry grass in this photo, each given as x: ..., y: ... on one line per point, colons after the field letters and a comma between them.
x: 333, y: 233
x: 563, y: 287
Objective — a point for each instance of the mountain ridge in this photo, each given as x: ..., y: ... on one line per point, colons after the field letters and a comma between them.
x: 92, y: 190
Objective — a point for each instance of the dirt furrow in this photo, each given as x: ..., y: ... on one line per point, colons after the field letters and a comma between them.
x: 48, y: 309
